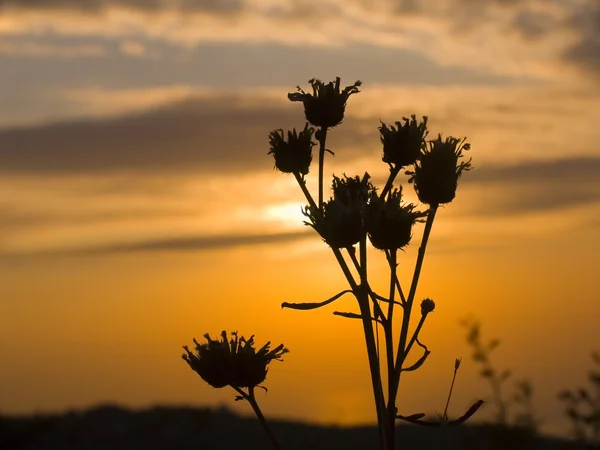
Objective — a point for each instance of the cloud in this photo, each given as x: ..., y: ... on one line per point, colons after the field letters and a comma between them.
x: 536, y: 186
x: 214, y: 134
x: 96, y: 6
x: 171, y: 244
x: 142, y: 131
x: 210, y: 134
x: 530, y: 39
x: 41, y: 50
x: 585, y: 25
x: 527, y: 187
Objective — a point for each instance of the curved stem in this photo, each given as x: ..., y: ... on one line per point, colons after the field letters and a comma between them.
x: 261, y: 418
x: 415, y: 335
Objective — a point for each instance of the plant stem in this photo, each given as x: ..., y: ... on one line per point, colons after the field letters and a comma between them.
x: 392, y: 261
x: 363, y: 302
x: 261, y: 418
x: 322, y: 136
x: 415, y: 335
x: 362, y: 295
x: 396, y: 280
x: 389, y: 347
x: 445, y: 416
x: 402, y: 353
x: 390, y: 182
x: 305, y: 190
x: 378, y: 311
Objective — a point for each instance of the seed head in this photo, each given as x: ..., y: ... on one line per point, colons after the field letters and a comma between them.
x: 325, y: 107
x: 293, y: 155
x: 402, y: 145
x: 389, y: 222
x: 438, y: 169
x: 341, y: 224
x: 233, y: 362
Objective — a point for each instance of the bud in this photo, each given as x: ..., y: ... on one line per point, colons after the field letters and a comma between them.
x: 233, y: 363
x: 295, y: 154
x: 427, y: 306
x: 402, y: 146
x: 341, y: 224
x: 389, y: 222
x: 457, y: 363
x: 325, y: 107
x: 438, y: 169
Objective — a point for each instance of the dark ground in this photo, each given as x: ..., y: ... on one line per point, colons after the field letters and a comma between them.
x: 171, y: 428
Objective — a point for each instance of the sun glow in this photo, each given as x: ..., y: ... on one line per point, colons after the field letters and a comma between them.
x: 288, y: 215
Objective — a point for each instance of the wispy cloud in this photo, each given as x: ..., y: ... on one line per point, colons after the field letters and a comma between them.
x: 545, y: 39
x: 227, y: 132
x: 172, y: 244
x: 42, y: 50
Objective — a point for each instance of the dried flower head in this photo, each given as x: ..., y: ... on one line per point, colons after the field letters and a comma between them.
x: 341, y: 224
x: 438, y: 169
x: 233, y: 362
x: 353, y: 191
x: 389, y: 222
x: 402, y: 145
x: 427, y: 306
x: 293, y: 155
x: 325, y: 107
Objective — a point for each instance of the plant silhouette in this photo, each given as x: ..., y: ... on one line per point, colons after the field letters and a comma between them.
x: 357, y: 215
x: 582, y: 407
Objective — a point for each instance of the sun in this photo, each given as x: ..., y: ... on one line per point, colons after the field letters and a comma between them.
x: 287, y: 215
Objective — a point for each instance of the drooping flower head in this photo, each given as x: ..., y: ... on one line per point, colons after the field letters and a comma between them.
x: 438, y: 169
x: 293, y: 155
x: 341, y: 224
x: 232, y: 362
x: 402, y: 145
x: 389, y: 222
x: 325, y: 107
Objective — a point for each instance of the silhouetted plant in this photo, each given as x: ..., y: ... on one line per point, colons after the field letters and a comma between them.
x: 506, y: 431
x: 522, y: 398
x: 356, y: 214
x: 236, y: 363
x: 582, y: 407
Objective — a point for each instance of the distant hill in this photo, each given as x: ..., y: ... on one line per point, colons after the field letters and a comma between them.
x: 112, y: 427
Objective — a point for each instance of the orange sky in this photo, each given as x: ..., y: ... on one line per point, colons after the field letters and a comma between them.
x: 139, y: 209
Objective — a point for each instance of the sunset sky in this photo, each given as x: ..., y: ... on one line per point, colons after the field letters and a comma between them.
x: 139, y: 208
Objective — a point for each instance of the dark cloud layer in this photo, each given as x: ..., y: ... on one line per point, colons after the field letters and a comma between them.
x: 585, y: 23
x: 532, y: 186
x: 220, y: 134
x: 177, y: 244
x: 210, y: 134
x: 537, y: 186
